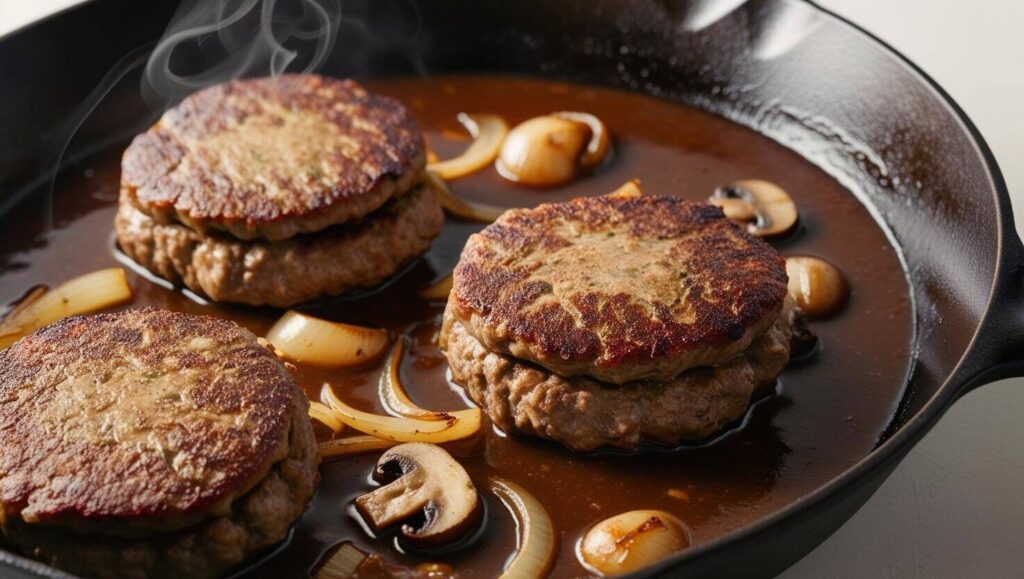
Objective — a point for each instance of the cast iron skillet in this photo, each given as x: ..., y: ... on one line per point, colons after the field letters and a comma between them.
x: 787, y: 68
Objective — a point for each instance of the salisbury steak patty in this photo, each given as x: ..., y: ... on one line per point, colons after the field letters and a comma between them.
x: 149, y: 443
x: 274, y: 157
x: 280, y: 274
x: 584, y: 414
x: 619, y: 287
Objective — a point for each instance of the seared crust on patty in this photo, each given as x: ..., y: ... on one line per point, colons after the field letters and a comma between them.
x: 256, y: 521
x: 274, y: 157
x: 620, y: 288
x: 138, y: 422
x: 584, y: 414
x: 280, y: 274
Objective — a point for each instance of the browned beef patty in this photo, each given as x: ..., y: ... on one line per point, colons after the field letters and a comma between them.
x: 274, y: 157
x: 150, y: 443
x: 353, y: 255
x: 619, y: 288
x: 584, y: 414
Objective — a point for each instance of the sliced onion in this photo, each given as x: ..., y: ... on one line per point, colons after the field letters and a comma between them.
x: 600, y: 139
x: 488, y: 132
x: 324, y: 415
x: 630, y: 541
x: 438, y: 291
x: 630, y: 189
x: 314, y: 341
x: 450, y: 427
x: 351, y: 445
x: 397, y: 402
x: 535, y: 540
x: 431, y: 156
x: 81, y: 295
x: 458, y: 207
x: 342, y: 564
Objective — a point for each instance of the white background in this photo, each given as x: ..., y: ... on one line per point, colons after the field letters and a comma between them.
x: 955, y: 507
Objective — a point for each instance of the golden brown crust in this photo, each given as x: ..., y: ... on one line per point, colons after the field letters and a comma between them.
x: 138, y: 421
x: 618, y: 288
x: 256, y: 521
x: 274, y: 157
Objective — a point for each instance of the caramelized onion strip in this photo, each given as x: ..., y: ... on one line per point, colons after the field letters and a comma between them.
x: 324, y: 415
x: 403, y: 429
x: 397, y: 402
x: 344, y: 563
x: 458, y: 207
x: 600, y: 139
x: 351, y: 445
x: 81, y: 295
x: 488, y: 132
x: 438, y: 291
x: 536, y: 541
x: 314, y: 341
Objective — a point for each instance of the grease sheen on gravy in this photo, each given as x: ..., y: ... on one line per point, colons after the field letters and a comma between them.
x: 827, y: 413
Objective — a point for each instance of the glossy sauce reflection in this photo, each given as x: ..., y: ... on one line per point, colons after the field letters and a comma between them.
x: 827, y: 415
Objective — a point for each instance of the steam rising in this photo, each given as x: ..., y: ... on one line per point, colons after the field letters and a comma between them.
x: 208, y: 43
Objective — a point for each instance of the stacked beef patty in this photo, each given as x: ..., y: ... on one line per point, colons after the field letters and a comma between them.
x: 149, y: 443
x: 277, y: 190
x: 611, y: 320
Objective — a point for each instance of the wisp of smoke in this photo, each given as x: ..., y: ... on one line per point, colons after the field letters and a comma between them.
x: 222, y: 40
x: 229, y: 39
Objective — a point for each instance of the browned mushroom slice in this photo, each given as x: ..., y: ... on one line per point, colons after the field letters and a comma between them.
x: 764, y: 206
x: 816, y: 285
x: 421, y: 479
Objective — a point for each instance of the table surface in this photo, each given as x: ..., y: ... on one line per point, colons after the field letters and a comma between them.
x: 954, y: 507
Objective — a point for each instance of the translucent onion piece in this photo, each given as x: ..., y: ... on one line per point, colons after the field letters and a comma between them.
x: 600, y: 139
x: 431, y: 156
x: 438, y: 291
x: 397, y: 402
x: 31, y: 297
x: 628, y: 190
x: 342, y: 564
x: 404, y: 429
x: 488, y: 132
x: 535, y: 540
x: 458, y: 207
x: 351, y: 445
x: 81, y: 295
x: 631, y: 541
x: 324, y: 415
x: 314, y: 341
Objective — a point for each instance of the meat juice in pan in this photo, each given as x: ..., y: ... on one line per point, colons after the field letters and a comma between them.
x: 827, y: 413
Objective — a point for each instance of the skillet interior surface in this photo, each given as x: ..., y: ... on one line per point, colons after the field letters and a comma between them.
x: 909, y: 160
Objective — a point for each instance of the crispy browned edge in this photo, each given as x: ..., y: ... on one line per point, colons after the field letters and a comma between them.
x: 496, y: 296
x: 36, y: 460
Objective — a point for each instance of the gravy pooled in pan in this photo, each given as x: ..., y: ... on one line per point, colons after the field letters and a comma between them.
x: 825, y: 413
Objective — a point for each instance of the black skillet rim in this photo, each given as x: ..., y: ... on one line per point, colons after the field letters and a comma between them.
x: 906, y: 436
x: 901, y: 441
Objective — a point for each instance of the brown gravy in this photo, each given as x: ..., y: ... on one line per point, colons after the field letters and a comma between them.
x: 827, y: 415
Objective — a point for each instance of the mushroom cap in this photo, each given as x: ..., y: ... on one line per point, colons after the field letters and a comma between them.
x: 769, y: 211
x: 422, y: 479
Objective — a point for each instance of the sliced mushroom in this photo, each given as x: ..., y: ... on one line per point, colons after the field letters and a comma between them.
x: 816, y: 285
x: 765, y: 207
x: 421, y: 481
x: 552, y: 149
